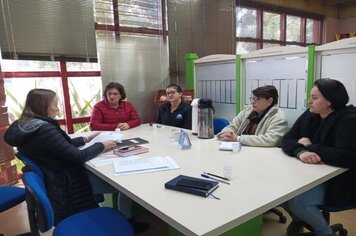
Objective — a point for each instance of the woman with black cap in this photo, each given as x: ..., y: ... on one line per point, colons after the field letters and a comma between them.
x: 324, y: 134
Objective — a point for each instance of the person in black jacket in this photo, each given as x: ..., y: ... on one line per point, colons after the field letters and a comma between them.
x: 39, y: 137
x: 175, y: 112
x: 324, y: 134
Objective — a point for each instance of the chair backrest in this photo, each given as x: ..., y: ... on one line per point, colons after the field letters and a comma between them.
x: 38, y: 201
x: 30, y: 163
x: 336, y: 209
x: 219, y: 124
x: 10, y: 197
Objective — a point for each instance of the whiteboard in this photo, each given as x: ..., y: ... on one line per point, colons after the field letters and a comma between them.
x: 218, y: 82
x: 342, y: 67
x: 288, y: 74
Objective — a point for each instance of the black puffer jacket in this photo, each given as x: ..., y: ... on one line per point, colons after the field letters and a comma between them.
x: 333, y: 139
x: 42, y: 140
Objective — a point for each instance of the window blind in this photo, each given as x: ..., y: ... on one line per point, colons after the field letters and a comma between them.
x: 47, y: 30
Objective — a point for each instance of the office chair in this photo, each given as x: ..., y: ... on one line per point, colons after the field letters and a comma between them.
x: 97, y: 221
x: 10, y: 197
x: 336, y: 228
x: 326, y: 210
x: 281, y: 216
x: 31, y: 165
x: 219, y: 124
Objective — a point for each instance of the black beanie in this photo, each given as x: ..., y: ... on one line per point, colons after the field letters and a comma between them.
x: 333, y: 91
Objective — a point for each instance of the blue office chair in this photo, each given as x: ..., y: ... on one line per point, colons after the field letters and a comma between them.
x: 30, y: 164
x: 219, y: 124
x: 10, y: 197
x: 97, y: 221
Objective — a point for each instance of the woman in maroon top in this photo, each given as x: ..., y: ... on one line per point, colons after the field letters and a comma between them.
x: 113, y: 112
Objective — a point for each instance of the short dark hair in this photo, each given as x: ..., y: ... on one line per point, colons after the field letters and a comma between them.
x: 176, y: 87
x: 333, y: 91
x: 118, y: 87
x: 37, y: 103
x: 268, y: 91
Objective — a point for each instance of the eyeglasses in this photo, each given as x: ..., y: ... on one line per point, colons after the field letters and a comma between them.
x: 254, y: 99
x: 172, y: 92
x: 114, y: 94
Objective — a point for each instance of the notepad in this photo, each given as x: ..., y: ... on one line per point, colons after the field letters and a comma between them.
x: 188, y: 184
x: 126, y: 166
x: 227, y: 146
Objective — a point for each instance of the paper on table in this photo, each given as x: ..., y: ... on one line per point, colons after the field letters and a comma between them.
x: 227, y: 146
x: 129, y: 166
x: 103, y: 160
x: 105, y: 136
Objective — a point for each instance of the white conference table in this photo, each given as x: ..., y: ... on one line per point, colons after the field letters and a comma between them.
x: 262, y: 178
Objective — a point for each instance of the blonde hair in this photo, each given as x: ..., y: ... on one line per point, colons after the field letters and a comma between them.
x: 37, y: 103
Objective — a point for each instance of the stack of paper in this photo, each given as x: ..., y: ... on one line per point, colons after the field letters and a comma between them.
x: 143, y: 165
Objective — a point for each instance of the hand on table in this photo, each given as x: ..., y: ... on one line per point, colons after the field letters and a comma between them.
x: 310, y: 158
x: 228, y: 136
x: 110, y: 144
x: 123, y: 126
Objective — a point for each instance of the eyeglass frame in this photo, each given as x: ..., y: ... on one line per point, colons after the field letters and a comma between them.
x: 113, y: 93
x: 172, y: 92
x: 254, y: 99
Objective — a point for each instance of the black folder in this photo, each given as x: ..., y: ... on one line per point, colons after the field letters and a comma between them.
x: 188, y: 184
x: 130, y: 142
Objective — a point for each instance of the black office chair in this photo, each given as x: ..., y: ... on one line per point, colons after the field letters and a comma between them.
x: 281, y: 217
x: 336, y: 228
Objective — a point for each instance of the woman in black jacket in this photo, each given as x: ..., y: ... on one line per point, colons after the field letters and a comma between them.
x: 324, y: 134
x: 39, y: 137
x: 175, y: 112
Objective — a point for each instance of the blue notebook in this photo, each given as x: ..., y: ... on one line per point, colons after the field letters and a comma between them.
x: 188, y: 184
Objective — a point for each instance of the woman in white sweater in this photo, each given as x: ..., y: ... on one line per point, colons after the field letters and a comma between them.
x: 260, y: 124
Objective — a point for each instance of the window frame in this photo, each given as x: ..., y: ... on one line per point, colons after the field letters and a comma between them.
x: 137, y: 30
x: 64, y: 75
x: 261, y: 8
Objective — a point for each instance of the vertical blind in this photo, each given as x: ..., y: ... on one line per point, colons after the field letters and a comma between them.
x: 47, y: 30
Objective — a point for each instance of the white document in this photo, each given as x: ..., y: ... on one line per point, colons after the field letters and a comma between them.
x: 105, y: 136
x: 127, y: 166
x: 227, y: 146
x: 103, y: 160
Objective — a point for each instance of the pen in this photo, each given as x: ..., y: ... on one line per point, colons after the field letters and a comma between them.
x: 205, y: 175
x: 216, y: 176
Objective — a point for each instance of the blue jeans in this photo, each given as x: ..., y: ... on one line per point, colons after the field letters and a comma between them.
x: 304, y: 207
